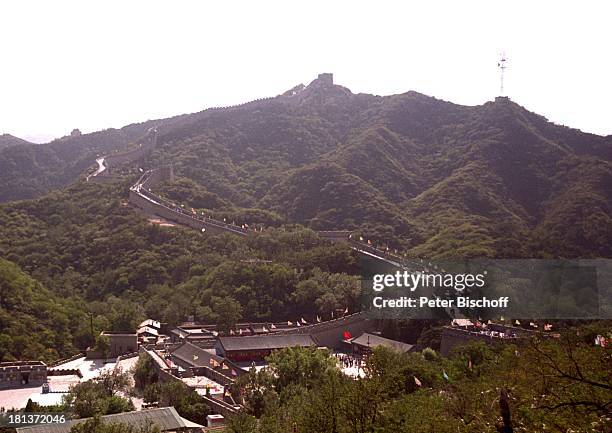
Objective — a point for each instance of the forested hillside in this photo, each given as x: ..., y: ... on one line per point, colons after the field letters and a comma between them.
x: 84, y: 253
x: 7, y: 140
x: 419, y: 174
x: 34, y: 323
x: 412, y: 171
x: 29, y: 170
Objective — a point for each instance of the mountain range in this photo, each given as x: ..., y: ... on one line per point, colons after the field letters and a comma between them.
x: 417, y: 173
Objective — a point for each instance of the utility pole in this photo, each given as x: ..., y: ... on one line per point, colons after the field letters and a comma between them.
x: 501, y: 64
x: 93, y: 339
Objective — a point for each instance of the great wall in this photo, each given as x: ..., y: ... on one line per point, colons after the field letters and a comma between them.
x: 152, y: 204
x: 142, y: 197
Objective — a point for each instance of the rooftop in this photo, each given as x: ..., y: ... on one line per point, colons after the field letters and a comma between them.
x: 372, y: 340
x: 21, y: 364
x: 150, y: 322
x: 147, y: 329
x: 196, y: 356
x: 118, y: 334
x: 266, y: 342
x: 166, y: 418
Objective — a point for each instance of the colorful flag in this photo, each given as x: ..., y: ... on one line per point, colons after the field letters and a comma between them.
x: 346, y: 335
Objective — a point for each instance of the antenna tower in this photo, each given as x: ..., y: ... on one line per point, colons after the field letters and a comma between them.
x: 501, y: 64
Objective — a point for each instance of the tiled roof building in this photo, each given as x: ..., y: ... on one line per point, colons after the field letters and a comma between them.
x: 166, y: 418
x: 366, y: 342
x: 258, y: 347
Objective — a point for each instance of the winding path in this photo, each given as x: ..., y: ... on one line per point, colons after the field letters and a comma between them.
x: 101, y: 168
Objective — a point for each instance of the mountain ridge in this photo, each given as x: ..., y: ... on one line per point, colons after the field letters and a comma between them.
x: 321, y: 156
x: 8, y: 140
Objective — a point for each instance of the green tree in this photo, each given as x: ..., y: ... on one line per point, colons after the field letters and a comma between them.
x: 102, y: 346
x: 145, y: 372
x: 242, y: 423
x: 185, y: 400
x: 114, y: 381
x: 301, y: 367
x: 99, y: 396
x: 257, y: 389
x: 228, y: 312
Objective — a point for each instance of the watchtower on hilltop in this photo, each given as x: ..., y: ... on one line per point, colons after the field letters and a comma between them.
x: 326, y: 79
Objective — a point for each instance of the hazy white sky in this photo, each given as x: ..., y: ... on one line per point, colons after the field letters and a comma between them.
x: 99, y: 64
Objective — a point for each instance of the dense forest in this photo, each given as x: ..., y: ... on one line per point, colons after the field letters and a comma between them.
x: 428, y: 177
x: 84, y: 253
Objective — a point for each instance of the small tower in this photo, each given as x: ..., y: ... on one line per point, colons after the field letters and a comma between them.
x: 326, y: 78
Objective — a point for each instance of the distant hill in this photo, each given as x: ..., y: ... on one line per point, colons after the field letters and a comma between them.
x: 7, y: 140
x: 29, y: 170
x: 416, y: 172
